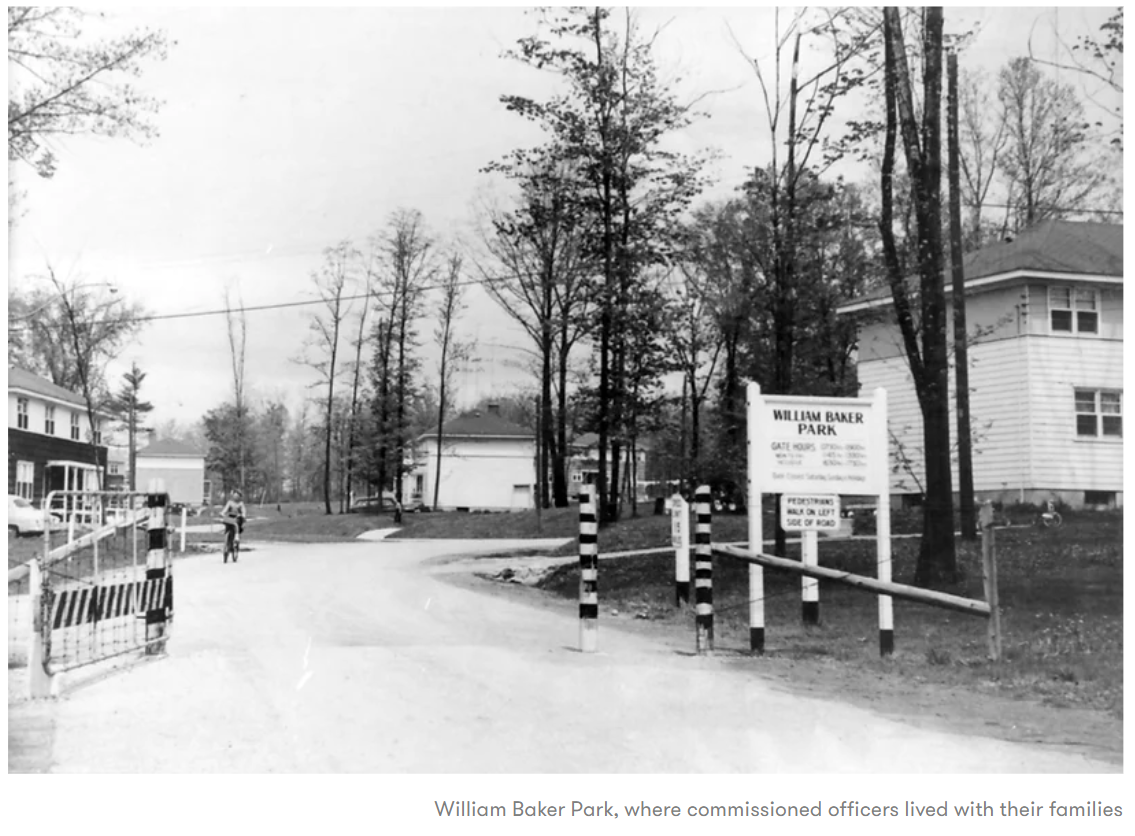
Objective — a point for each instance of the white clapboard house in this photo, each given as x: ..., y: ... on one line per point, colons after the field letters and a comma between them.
x: 1045, y: 316
x: 487, y: 464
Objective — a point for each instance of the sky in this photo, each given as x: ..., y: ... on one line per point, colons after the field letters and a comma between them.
x: 285, y: 131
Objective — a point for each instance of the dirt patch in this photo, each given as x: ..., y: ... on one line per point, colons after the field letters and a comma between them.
x: 891, y: 692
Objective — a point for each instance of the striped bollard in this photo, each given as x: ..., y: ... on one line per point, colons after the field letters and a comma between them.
x: 809, y: 553
x: 588, y: 571
x: 703, y: 571
x: 158, y: 589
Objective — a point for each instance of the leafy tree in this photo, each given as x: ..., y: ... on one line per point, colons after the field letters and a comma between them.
x: 62, y: 82
x: 407, y: 267
x: 128, y: 406
x: 611, y: 126
x: 1098, y: 57
x: 538, y: 273
x: 70, y: 331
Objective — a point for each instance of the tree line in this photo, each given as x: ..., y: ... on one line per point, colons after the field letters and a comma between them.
x: 625, y: 279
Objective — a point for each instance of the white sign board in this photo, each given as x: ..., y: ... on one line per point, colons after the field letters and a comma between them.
x: 827, y: 445
x: 809, y: 512
x: 679, y: 522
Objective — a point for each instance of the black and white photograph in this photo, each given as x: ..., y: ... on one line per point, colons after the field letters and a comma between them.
x: 565, y: 392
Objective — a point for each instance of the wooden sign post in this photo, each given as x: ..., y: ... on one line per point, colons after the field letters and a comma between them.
x: 989, y: 566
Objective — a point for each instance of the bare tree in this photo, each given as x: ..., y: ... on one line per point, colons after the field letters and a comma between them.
x: 1046, y: 165
x: 982, y: 139
x: 453, y: 351
x: 236, y: 327
x: 332, y: 283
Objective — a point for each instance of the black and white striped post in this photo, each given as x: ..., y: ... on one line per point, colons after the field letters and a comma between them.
x: 588, y: 571
x: 680, y: 539
x: 756, y: 523
x: 157, y: 570
x: 703, y: 570
x: 883, y: 528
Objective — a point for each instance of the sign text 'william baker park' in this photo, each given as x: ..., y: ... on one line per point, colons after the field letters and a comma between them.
x: 827, y: 444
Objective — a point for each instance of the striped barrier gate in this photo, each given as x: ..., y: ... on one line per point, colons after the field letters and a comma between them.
x: 105, y: 593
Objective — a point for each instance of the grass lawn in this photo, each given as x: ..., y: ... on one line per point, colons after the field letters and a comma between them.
x: 1061, y: 595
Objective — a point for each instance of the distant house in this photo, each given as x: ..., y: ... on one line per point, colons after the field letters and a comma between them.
x: 583, y: 466
x: 487, y: 463
x: 1045, y: 315
x: 173, y: 467
x: 50, y: 447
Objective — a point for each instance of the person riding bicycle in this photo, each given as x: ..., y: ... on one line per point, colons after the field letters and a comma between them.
x: 233, y: 514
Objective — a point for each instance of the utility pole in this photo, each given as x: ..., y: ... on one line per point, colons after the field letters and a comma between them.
x: 961, y: 350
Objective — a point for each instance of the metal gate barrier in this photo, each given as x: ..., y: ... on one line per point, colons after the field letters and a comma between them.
x: 104, y: 586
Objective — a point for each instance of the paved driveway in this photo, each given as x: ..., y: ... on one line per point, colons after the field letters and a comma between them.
x: 360, y: 658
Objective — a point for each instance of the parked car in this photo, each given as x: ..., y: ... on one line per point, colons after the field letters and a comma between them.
x: 384, y: 504
x: 23, y: 517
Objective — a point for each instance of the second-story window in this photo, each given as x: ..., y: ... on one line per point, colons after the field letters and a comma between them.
x: 49, y: 420
x: 1074, y: 310
x: 74, y: 426
x: 22, y: 413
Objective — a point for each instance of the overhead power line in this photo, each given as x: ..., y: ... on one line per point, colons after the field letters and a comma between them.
x: 279, y: 305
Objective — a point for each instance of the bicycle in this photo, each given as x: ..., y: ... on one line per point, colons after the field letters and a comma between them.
x: 232, y: 541
x: 1049, y: 517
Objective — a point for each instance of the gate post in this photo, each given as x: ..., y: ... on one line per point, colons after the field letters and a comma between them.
x: 588, y: 571
x: 703, y: 570
x: 159, y: 586
x: 40, y: 681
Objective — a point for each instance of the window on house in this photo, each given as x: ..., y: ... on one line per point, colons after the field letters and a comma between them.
x: 22, y: 413
x: 98, y: 434
x: 1105, y: 499
x: 576, y: 476
x: 49, y: 420
x: 25, y: 479
x: 1099, y: 413
x: 74, y: 426
x: 1074, y: 310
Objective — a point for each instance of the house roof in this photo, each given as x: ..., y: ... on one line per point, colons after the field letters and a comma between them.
x: 21, y: 380
x: 485, y: 425
x: 1064, y: 247
x: 170, y: 447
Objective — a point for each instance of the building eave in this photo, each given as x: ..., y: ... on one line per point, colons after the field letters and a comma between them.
x: 989, y: 281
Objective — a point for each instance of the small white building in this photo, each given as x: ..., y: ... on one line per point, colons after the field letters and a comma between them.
x: 487, y: 464
x: 173, y: 467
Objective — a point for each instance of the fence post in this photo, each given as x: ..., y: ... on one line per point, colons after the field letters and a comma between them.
x: 703, y: 570
x: 680, y: 535
x: 158, y: 588
x: 184, y: 514
x: 989, y: 564
x: 39, y: 679
x: 588, y: 571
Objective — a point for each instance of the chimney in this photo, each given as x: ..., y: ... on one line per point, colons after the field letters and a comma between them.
x: 495, y: 409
